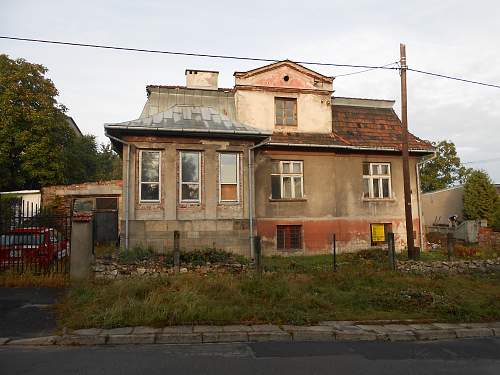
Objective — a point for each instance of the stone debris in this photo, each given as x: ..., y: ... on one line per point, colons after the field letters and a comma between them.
x: 451, y: 267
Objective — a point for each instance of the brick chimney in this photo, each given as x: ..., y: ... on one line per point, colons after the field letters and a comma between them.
x: 201, y: 79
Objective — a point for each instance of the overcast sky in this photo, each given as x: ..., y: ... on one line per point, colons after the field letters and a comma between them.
x: 457, y: 38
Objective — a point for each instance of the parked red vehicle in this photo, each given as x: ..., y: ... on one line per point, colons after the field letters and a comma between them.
x: 34, y: 245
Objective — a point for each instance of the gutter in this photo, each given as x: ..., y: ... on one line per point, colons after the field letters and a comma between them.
x: 342, y: 147
x: 251, y: 189
x: 418, y: 167
x: 127, y: 186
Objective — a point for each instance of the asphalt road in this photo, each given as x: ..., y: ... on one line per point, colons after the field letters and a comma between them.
x: 466, y: 356
x: 27, y: 312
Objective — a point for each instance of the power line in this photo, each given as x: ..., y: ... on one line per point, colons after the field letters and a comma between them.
x: 367, y: 70
x: 187, y: 53
x: 455, y: 78
x: 130, y: 49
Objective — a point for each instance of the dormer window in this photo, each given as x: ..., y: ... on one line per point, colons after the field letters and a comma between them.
x: 286, y: 111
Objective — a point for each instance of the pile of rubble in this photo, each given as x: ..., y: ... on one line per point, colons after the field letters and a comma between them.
x: 113, y: 268
x: 453, y: 266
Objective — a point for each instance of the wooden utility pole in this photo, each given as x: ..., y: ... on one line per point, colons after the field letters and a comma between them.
x: 406, y: 162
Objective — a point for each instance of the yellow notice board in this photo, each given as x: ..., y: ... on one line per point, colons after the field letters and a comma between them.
x: 378, y: 233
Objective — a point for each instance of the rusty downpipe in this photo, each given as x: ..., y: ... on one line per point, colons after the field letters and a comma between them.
x: 251, y: 189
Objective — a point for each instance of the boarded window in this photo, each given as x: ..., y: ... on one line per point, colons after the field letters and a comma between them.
x: 149, y: 173
x: 286, y: 111
x: 228, y: 177
x: 289, y: 237
x: 190, y: 176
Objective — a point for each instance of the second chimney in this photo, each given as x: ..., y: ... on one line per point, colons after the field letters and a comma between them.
x: 202, y: 79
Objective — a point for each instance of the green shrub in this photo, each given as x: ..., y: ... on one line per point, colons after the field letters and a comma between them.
x: 204, y: 256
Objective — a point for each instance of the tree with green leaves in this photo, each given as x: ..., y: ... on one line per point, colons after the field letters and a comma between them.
x: 444, y: 170
x: 480, y: 197
x: 38, y: 148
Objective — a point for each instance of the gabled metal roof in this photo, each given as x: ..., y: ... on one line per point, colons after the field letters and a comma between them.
x: 189, y: 119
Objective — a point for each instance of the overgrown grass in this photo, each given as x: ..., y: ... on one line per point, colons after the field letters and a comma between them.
x: 363, y: 288
x: 27, y: 279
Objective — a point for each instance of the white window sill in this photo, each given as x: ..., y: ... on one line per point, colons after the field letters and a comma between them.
x: 378, y: 199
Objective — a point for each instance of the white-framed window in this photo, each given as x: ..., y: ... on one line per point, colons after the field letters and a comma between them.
x: 287, y: 179
x: 149, y: 176
x: 190, y: 176
x: 229, y: 177
x: 377, y: 180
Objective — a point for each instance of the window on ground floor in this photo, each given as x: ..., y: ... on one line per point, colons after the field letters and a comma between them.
x: 149, y: 173
x: 229, y: 177
x: 287, y: 179
x: 289, y: 237
x: 377, y: 180
x: 190, y: 176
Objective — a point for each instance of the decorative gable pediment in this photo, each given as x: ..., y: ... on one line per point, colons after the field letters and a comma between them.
x: 284, y: 75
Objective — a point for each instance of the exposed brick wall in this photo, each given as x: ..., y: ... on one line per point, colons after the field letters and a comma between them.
x: 489, y: 237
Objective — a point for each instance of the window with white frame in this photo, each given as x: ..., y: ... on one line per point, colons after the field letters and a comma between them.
x: 229, y: 177
x: 287, y: 179
x: 149, y: 173
x: 377, y: 180
x: 190, y: 177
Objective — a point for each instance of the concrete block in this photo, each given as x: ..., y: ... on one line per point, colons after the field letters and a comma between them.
x: 206, y: 328
x: 117, y: 331
x: 81, y: 340
x: 131, y: 339
x: 445, y: 325
x: 435, y: 334
x: 145, y: 330
x: 87, y: 332
x: 313, y: 336
x: 496, y: 331
x: 46, y: 340
x: 401, y: 336
x: 178, y: 329
x: 474, y: 332
x: 265, y: 328
x: 178, y: 338
x: 225, y: 337
x: 4, y: 340
x: 425, y: 327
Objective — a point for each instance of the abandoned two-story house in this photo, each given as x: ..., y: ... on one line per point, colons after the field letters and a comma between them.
x: 276, y: 156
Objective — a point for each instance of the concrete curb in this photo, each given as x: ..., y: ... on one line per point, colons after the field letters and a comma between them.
x: 326, y: 331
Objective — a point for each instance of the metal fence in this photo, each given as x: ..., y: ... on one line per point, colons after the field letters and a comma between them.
x: 34, y: 240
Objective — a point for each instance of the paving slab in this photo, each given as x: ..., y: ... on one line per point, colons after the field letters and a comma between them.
x: 81, y: 340
x: 372, y: 328
x: 145, y: 330
x: 178, y: 338
x: 446, y: 325
x: 312, y: 335
x: 423, y: 326
x: 237, y: 328
x: 474, y: 332
x: 349, y: 335
x: 401, y: 336
x: 207, y: 328
x: 269, y: 336
x: 225, y: 337
x: 266, y: 328
x: 117, y: 331
x: 88, y: 332
x: 131, y: 339
x: 435, y: 334
x: 178, y: 329
x: 44, y: 340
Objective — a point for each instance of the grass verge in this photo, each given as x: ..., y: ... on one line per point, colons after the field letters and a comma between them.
x: 295, y: 290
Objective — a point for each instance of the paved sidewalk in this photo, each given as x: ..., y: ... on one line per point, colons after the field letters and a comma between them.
x: 325, y: 331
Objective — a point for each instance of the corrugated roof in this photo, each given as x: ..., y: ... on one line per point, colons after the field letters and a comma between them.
x: 189, y: 119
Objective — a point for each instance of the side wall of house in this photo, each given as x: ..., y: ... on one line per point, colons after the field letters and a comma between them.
x: 438, y: 206
x: 205, y: 224
x: 333, y: 202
